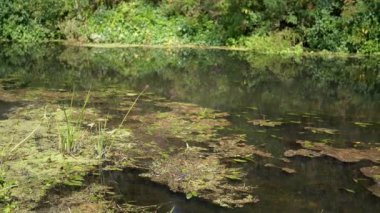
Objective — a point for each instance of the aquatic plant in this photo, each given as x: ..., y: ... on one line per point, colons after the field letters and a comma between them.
x: 104, y: 137
x: 68, y: 135
x: 37, y: 163
x: 6, y: 201
x: 197, y: 174
x: 101, y: 140
x: 206, y: 113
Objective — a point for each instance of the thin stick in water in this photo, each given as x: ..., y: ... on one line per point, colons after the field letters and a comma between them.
x: 133, y: 104
x: 25, y: 139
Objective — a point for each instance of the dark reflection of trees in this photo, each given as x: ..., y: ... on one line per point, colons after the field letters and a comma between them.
x: 218, y: 79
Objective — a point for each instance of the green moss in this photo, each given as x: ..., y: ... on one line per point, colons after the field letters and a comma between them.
x: 307, y: 144
x: 187, y: 122
x: 37, y: 165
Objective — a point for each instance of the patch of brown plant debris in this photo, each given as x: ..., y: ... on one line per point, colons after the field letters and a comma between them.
x: 348, y: 155
x: 374, y: 173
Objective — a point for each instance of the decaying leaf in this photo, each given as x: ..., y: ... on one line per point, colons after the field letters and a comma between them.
x: 373, y: 172
x: 265, y: 123
x: 321, y: 130
x: 348, y: 155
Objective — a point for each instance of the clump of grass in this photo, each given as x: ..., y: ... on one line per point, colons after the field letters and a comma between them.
x: 71, y: 132
x: 69, y: 135
x: 100, y: 146
x: 101, y: 143
x: 206, y: 113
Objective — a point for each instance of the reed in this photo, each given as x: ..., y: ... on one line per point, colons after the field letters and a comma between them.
x: 69, y: 135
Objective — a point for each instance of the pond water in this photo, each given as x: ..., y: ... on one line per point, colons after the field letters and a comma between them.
x: 342, y: 94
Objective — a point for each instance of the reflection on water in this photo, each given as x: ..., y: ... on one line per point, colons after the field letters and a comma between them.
x: 319, y: 185
x: 321, y: 92
x: 5, y: 107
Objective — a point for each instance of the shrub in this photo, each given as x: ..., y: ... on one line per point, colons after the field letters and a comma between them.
x: 326, y: 33
x: 140, y: 23
x: 280, y: 42
x: 30, y: 20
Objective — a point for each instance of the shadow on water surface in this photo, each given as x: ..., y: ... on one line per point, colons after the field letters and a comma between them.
x: 321, y: 185
x: 6, y: 107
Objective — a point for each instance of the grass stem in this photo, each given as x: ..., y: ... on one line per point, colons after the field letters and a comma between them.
x: 133, y: 104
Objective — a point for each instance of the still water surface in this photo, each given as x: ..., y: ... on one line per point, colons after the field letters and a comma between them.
x: 311, y: 91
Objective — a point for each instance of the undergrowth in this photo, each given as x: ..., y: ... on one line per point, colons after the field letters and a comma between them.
x: 337, y: 26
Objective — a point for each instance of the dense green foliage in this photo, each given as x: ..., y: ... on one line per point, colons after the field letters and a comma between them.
x: 262, y: 25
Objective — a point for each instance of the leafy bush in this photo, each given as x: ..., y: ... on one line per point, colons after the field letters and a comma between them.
x: 132, y: 23
x: 336, y: 25
x: 363, y: 23
x: 280, y: 42
x: 30, y: 20
x: 139, y: 23
x: 326, y: 33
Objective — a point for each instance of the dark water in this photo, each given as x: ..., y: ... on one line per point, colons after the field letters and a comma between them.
x: 311, y: 91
